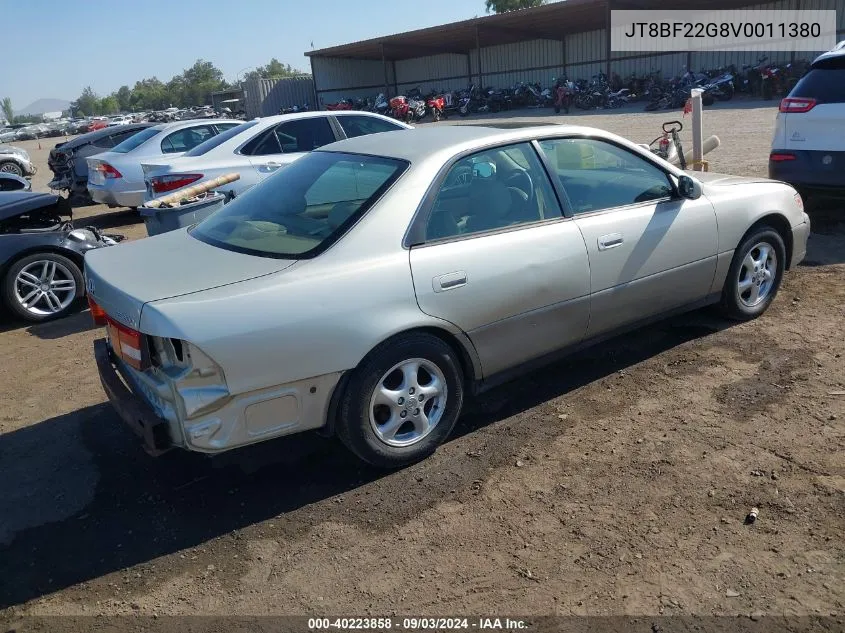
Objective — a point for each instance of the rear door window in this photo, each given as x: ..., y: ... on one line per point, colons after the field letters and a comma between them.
x: 825, y: 85
x: 356, y: 125
x: 186, y: 139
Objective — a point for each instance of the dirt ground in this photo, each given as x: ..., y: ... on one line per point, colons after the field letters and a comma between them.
x: 614, y: 483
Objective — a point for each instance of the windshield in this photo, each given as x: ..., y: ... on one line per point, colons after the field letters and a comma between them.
x: 221, y: 138
x: 302, y: 209
x: 135, y: 140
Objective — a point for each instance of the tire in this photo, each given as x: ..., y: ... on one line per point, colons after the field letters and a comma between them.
x: 652, y: 106
x: 364, y: 425
x: 67, y: 280
x: 11, y: 167
x: 707, y: 99
x: 741, y: 285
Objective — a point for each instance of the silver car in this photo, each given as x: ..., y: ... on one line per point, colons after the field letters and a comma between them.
x: 16, y: 161
x: 115, y: 177
x: 367, y: 288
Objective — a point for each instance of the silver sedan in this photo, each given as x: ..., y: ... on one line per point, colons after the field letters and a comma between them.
x: 368, y: 287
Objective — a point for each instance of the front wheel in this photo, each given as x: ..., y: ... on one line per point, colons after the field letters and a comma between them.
x: 402, y: 401
x: 9, y: 167
x: 754, y: 276
x: 42, y: 287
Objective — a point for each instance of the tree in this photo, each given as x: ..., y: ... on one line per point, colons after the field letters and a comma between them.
x: 109, y: 105
x: 503, y: 6
x: 124, y: 98
x: 273, y: 70
x: 8, y: 111
x: 88, y: 101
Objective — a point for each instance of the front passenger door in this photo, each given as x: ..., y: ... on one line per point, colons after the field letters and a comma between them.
x: 650, y: 250
x: 497, y: 259
x: 287, y: 141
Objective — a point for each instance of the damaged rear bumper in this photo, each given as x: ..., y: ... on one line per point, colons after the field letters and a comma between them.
x: 137, y: 414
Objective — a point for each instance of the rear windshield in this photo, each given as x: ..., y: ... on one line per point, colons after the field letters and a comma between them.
x: 135, y: 140
x: 302, y: 209
x: 221, y: 138
x: 825, y: 85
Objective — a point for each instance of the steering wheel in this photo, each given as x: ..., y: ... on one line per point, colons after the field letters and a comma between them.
x: 522, y: 180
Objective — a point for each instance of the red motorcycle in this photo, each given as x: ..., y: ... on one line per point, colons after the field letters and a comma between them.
x: 399, y: 107
x: 345, y: 104
x: 437, y: 107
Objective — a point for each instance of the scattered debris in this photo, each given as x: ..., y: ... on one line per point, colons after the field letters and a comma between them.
x: 731, y: 593
x: 563, y: 416
x: 836, y: 393
x: 520, y: 463
x: 758, y: 473
x: 752, y: 516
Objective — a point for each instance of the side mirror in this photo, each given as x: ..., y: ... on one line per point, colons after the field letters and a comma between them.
x: 688, y: 188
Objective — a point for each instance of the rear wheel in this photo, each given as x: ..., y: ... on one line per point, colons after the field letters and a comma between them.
x: 42, y: 286
x: 9, y: 167
x: 755, y: 275
x: 402, y: 402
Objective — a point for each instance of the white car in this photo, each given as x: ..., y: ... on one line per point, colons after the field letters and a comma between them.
x: 115, y: 177
x: 808, y: 148
x: 119, y: 120
x: 258, y: 148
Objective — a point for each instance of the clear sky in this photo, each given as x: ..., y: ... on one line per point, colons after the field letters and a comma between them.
x: 56, y: 47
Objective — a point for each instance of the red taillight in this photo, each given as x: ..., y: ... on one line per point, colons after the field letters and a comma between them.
x: 779, y: 157
x: 127, y: 343
x: 97, y: 313
x: 162, y: 184
x: 108, y: 171
x: 797, y: 105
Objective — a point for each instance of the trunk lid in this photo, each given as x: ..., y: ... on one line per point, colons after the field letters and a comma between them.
x: 122, y: 278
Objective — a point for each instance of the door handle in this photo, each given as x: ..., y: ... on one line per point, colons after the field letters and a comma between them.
x: 610, y: 241
x: 449, y: 281
x: 272, y: 165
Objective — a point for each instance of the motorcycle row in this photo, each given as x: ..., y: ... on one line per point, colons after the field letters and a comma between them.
x: 761, y: 79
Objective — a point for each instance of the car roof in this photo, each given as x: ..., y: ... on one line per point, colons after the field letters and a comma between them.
x: 176, y: 125
x: 106, y: 131
x: 837, y: 52
x: 442, y: 141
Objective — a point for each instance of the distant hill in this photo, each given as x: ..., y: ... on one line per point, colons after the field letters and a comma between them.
x: 44, y: 105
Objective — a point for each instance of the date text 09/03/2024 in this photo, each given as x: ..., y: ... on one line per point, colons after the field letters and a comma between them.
x: 415, y: 624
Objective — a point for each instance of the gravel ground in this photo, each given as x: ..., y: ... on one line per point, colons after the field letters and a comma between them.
x: 614, y: 483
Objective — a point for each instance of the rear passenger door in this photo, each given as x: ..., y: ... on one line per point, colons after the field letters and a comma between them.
x: 493, y: 255
x: 650, y: 250
x: 284, y: 143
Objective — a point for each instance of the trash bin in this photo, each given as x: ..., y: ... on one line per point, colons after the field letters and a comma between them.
x: 165, y: 219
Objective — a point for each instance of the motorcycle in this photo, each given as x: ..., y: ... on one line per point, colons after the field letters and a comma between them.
x: 344, y: 104
x: 437, y: 106
x: 416, y: 110
x: 381, y: 105
x: 399, y: 107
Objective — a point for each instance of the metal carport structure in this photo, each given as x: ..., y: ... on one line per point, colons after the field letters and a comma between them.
x: 527, y: 45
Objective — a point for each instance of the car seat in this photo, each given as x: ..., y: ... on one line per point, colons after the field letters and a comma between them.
x: 490, y: 205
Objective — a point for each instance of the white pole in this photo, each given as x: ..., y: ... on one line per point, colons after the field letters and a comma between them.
x: 697, y: 133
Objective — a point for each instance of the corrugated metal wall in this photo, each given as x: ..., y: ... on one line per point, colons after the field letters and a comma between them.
x: 265, y: 97
x: 336, y: 78
x: 584, y: 55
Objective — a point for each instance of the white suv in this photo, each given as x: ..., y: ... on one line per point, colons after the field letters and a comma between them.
x: 808, y: 149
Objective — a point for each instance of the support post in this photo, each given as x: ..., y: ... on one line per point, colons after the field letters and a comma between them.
x: 395, y: 81
x: 469, y: 68
x: 697, y: 134
x: 478, y: 52
x: 384, y: 64
x: 607, y: 42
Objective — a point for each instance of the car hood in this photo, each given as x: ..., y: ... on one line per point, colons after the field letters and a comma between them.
x: 15, y: 203
x: 123, y: 278
x: 711, y: 179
